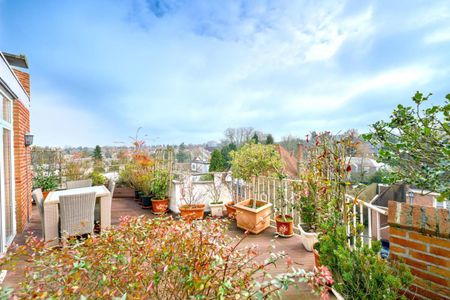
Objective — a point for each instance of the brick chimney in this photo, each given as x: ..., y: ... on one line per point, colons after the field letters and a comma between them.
x: 24, y: 79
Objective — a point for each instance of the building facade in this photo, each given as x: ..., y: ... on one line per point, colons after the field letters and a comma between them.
x: 15, y: 171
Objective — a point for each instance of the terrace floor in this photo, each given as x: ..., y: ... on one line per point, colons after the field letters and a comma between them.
x: 127, y: 206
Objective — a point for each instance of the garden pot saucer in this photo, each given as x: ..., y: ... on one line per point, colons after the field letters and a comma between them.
x: 283, y: 235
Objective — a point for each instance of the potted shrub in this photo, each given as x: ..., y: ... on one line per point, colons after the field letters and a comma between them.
x: 146, y: 189
x: 307, y: 204
x: 160, y: 188
x: 191, y: 209
x: 249, y: 162
x: 284, y: 221
x: 47, y: 183
x: 216, y: 203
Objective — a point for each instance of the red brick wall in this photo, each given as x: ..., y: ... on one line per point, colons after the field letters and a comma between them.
x: 420, y: 236
x: 24, y: 79
x: 21, y: 124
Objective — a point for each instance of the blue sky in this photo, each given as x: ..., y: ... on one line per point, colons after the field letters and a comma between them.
x: 187, y: 70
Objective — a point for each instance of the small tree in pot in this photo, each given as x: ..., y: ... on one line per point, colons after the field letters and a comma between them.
x: 249, y: 162
x: 215, y: 190
x: 284, y: 221
x: 192, y: 209
x: 160, y: 189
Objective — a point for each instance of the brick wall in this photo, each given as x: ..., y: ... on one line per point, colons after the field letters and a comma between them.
x: 21, y: 124
x: 24, y: 79
x: 420, y: 236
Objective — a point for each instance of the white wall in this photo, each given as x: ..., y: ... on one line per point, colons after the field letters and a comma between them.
x: 201, y: 188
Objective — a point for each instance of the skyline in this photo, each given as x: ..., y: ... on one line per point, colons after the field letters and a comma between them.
x: 187, y: 70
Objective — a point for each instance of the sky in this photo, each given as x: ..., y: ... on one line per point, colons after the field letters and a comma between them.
x: 185, y: 71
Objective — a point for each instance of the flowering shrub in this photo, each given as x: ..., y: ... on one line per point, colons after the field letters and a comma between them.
x: 154, y: 259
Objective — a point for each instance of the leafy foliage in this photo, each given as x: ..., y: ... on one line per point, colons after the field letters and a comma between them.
x: 269, y: 139
x: 160, y: 183
x: 154, y: 259
x: 360, y: 272
x: 226, y: 150
x: 256, y: 160
x: 97, y: 178
x: 416, y: 144
x: 46, y: 180
x: 217, y: 163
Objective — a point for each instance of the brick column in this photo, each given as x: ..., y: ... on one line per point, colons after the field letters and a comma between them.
x: 21, y: 125
x: 420, y: 236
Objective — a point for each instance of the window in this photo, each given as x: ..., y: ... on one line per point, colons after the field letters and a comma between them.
x: 6, y: 111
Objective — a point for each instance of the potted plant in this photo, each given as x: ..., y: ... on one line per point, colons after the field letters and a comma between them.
x: 47, y: 182
x: 215, y: 190
x: 146, y: 190
x: 249, y: 162
x: 306, y: 194
x: 160, y: 188
x: 284, y: 221
x: 191, y: 209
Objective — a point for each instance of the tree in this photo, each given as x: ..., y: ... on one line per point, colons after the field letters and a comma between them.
x: 416, y: 144
x: 217, y: 163
x: 255, y: 138
x: 256, y: 160
x: 269, y: 139
x: 97, y: 154
x: 183, y: 156
x: 226, y: 154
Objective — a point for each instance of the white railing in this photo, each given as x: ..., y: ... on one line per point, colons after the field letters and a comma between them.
x: 358, y: 217
x: 265, y: 188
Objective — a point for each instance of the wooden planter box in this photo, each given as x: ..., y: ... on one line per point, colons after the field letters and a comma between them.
x: 123, y: 192
x: 253, y: 220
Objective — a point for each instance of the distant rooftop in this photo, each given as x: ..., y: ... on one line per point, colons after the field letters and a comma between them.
x: 15, y: 60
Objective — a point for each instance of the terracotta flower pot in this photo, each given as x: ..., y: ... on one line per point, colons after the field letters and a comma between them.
x: 45, y: 194
x: 231, y: 210
x: 192, y: 212
x: 160, y: 206
x: 253, y: 220
x: 285, y: 228
x: 216, y: 209
x: 316, y: 258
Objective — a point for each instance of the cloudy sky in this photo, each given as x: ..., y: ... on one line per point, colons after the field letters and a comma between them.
x: 187, y: 70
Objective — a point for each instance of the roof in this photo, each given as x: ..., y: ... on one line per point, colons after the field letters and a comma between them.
x: 364, y: 161
x: 290, y: 161
x: 15, y: 60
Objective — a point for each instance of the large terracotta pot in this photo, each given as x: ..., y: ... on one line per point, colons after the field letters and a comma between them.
x: 308, y: 239
x: 231, y: 210
x: 285, y: 228
x: 253, y: 220
x: 316, y: 258
x: 160, y: 206
x: 216, y: 209
x: 192, y: 212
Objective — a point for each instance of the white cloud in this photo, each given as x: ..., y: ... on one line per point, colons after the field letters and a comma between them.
x: 56, y: 122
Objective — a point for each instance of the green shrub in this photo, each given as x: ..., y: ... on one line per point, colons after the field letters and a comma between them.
x: 47, y: 182
x: 359, y: 271
x: 160, y: 184
x: 153, y: 259
x: 97, y: 178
